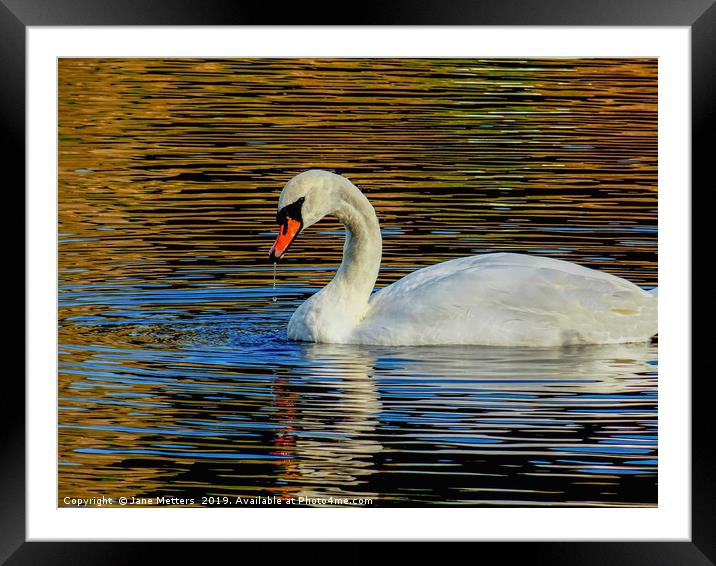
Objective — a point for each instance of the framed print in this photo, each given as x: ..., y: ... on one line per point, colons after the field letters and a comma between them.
x: 498, y: 350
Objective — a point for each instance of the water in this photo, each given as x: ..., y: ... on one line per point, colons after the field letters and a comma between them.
x: 175, y: 374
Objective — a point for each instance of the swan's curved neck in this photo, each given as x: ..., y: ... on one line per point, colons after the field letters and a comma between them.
x: 355, y: 278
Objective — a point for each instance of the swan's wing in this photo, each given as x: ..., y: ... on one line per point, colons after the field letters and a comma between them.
x: 509, y: 299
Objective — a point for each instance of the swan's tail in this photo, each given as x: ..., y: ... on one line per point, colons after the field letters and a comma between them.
x: 654, y: 291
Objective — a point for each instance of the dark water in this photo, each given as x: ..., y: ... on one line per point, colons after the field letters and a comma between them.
x: 175, y: 375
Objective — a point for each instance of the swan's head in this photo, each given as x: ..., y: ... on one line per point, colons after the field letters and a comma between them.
x: 304, y: 200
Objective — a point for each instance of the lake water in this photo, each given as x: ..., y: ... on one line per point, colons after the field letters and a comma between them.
x: 176, y: 378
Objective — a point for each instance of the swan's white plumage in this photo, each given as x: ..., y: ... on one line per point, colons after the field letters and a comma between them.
x: 502, y: 299
x: 508, y: 300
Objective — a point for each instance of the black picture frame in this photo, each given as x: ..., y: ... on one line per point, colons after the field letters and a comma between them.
x: 17, y: 15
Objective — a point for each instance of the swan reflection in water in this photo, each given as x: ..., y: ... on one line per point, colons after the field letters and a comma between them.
x: 352, y: 415
x: 328, y: 423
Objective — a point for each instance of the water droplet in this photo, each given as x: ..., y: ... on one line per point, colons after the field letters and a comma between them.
x: 274, y: 282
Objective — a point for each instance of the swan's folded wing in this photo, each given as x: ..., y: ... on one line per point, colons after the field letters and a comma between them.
x: 509, y: 299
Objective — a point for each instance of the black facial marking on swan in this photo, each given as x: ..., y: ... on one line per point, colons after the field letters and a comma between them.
x: 292, y: 210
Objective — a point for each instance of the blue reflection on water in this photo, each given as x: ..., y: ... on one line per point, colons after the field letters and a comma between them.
x: 187, y: 363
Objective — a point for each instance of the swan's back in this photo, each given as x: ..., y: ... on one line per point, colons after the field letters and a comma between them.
x: 508, y: 300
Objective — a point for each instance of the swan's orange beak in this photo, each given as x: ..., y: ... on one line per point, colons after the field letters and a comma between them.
x: 287, y: 232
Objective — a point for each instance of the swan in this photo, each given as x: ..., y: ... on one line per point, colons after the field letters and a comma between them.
x: 498, y: 299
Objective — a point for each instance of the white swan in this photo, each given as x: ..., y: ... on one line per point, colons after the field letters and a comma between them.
x: 501, y: 299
